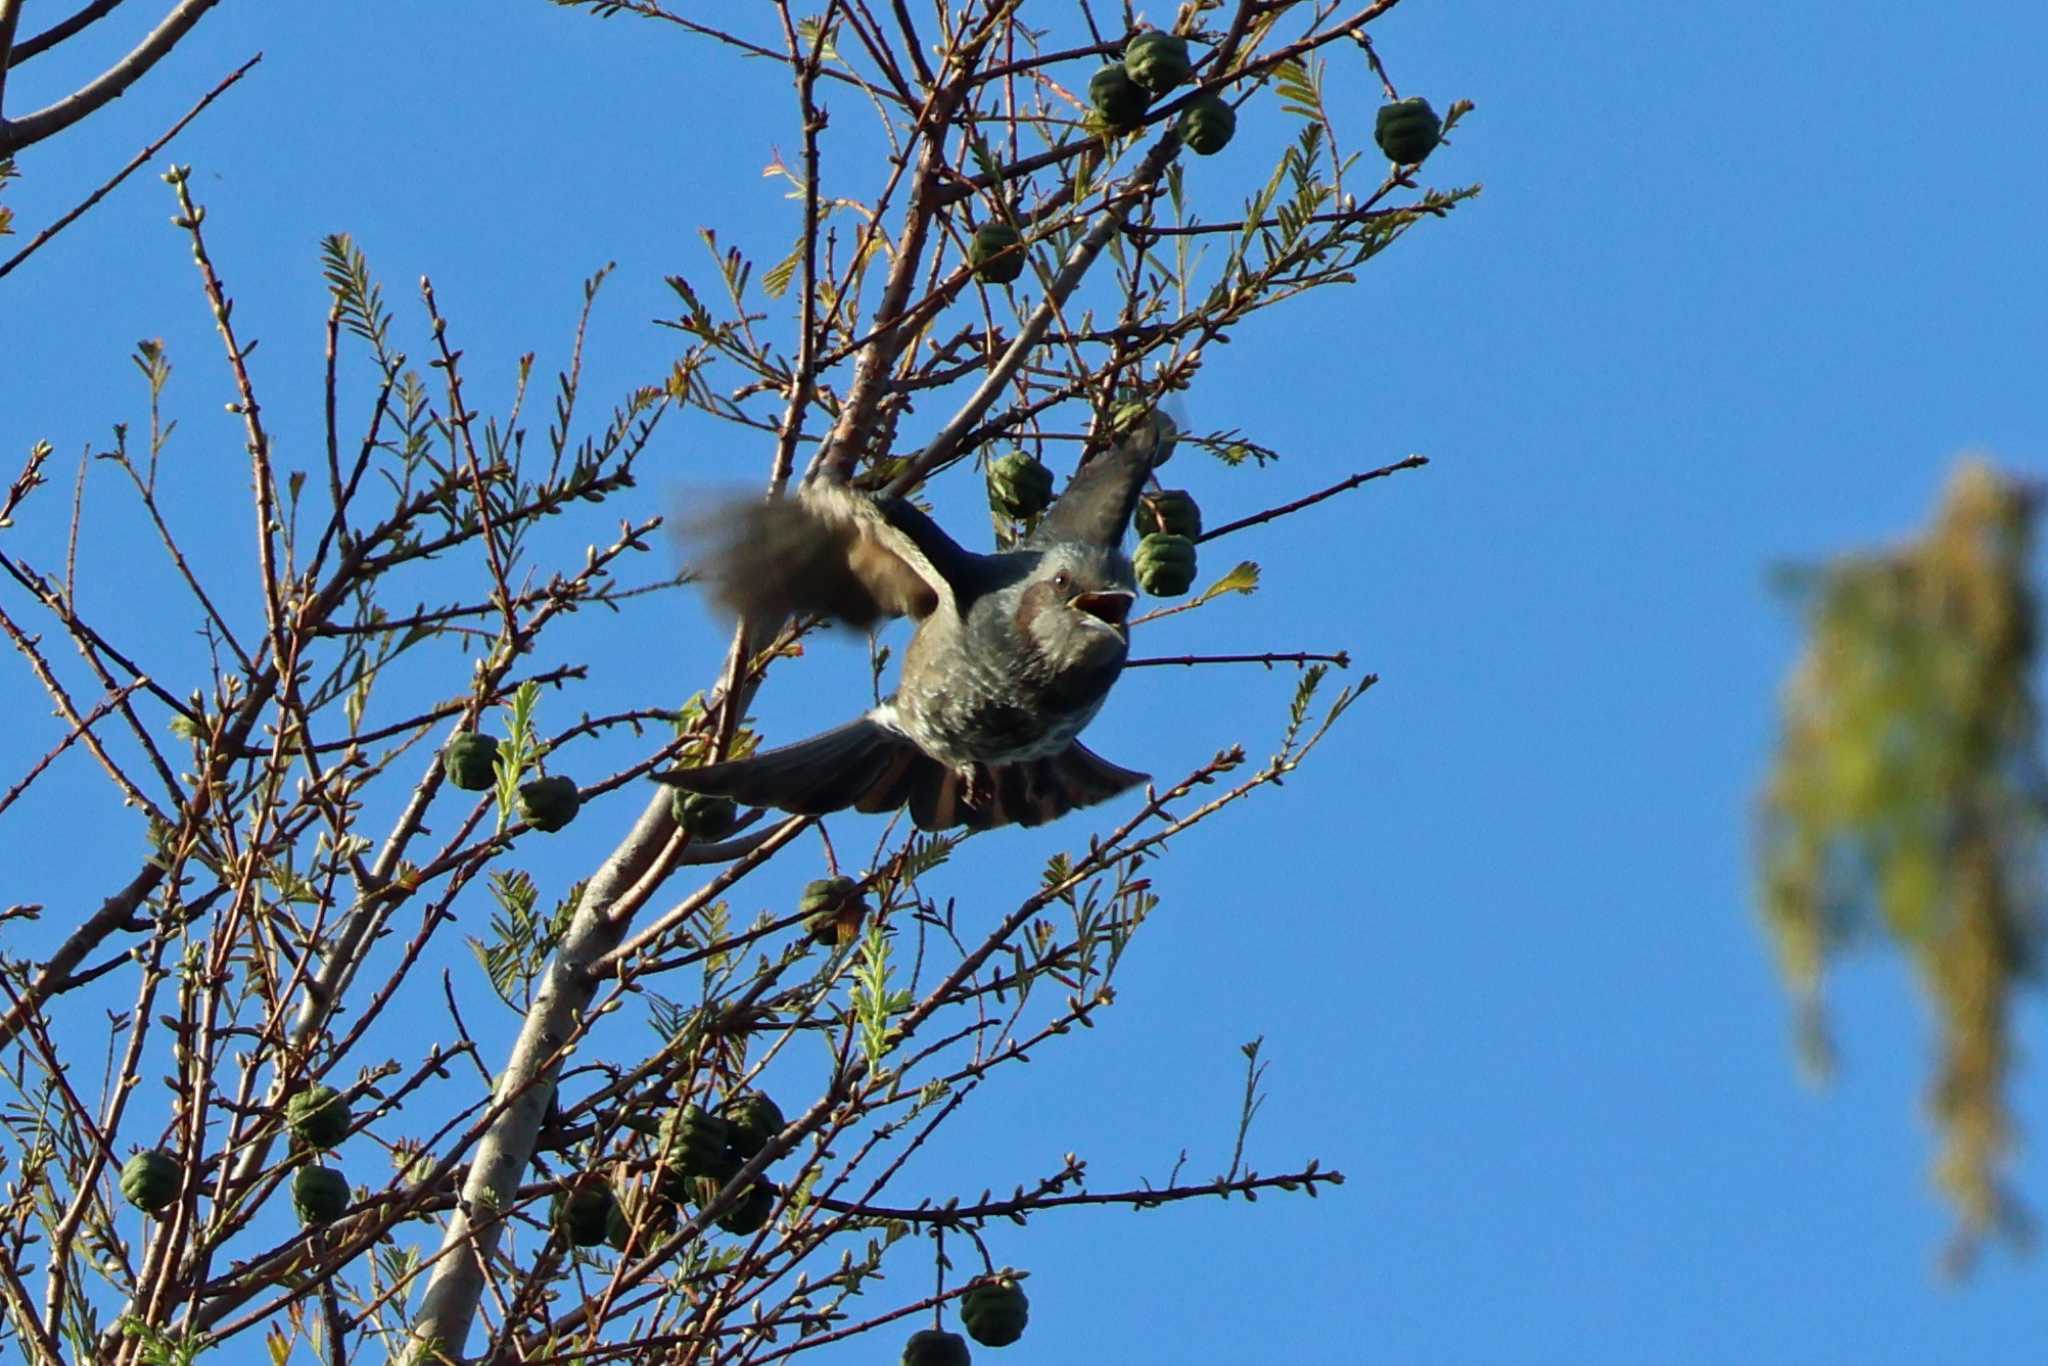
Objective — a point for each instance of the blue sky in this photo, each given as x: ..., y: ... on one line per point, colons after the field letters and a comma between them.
x: 1743, y: 283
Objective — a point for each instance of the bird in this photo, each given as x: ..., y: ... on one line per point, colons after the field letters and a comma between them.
x: 1011, y: 656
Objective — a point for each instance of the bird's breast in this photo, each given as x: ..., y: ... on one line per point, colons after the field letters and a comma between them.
x: 964, y: 705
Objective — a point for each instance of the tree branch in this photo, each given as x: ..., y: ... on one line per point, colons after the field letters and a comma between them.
x: 1413, y: 462
x: 110, y: 85
x: 59, y: 31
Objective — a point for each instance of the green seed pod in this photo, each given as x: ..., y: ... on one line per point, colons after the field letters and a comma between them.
x: 471, y: 761
x: 319, y: 1194
x: 318, y: 1118
x: 1173, y: 511
x: 750, y: 1213
x: 996, y: 253
x: 1165, y: 565
x: 149, y: 1180
x: 584, y: 1212
x: 1206, y: 125
x: 1019, y: 486
x: 1407, y: 130
x: 696, y: 1143
x: 832, y: 910
x: 936, y: 1347
x: 703, y: 817
x: 994, y: 1311
x: 1157, y: 61
x: 548, y: 804
x: 653, y: 1218
x: 1117, y: 98
x: 753, y: 1119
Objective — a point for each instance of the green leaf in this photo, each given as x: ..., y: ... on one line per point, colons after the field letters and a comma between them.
x: 1243, y: 579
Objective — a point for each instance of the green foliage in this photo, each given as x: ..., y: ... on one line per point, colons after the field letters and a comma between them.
x: 1906, y: 801
x: 874, y: 999
x: 522, y: 937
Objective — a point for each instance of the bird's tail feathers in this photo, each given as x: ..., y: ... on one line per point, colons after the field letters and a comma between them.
x: 827, y: 772
x: 1026, y: 792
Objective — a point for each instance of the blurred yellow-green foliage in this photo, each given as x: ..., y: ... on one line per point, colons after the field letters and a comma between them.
x: 1905, y: 803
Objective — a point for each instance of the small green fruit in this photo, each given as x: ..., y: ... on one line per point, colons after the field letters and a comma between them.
x: 750, y: 1214
x: 318, y: 1118
x: 994, y: 1311
x: 936, y: 1347
x: 149, y: 1180
x: 1172, y: 511
x: 832, y: 910
x: 703, y: 817
x: 584, y: 1212
x: 319, y: 1194
x: 1407, y: 130
x: 653, y: 1218
x: 1206, y: 125
x: 471, y: 761
x: 996, y: 253
x: 1019, y: 486
x: 1117, y: 98
x: 548, y: 804
x: 1165, y: 565
x: 696, y: 1143
x: 752, y: 1119
x: 1157, y: 61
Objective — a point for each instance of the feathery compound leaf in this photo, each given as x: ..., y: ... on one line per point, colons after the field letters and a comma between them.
x: 358, y: 302
x: 1243, y: 579
x: 776, y: 281
x: 1300, y: 89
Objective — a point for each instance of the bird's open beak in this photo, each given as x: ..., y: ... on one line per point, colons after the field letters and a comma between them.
x: 1110, y: 607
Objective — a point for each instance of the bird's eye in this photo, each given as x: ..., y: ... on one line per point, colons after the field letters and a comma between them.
x: 1060, y: 580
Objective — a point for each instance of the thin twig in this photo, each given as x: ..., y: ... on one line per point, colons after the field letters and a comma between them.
x: 1340, y: 659
x: 1413, y: 462
x: 140, y: 157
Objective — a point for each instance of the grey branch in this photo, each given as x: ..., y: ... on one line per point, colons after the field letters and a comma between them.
x: 109, y: 85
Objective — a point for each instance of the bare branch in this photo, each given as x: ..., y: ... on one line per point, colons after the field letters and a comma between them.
x: 133, y: 165
x: 16, y: 134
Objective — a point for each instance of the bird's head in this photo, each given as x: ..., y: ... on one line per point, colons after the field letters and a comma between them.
x: 1075, y: 606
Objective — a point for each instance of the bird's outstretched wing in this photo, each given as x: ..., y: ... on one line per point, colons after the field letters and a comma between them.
x: 830, y: 550
x: 1095, y: 507
x: 871, y: 766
